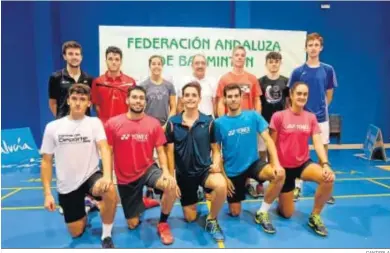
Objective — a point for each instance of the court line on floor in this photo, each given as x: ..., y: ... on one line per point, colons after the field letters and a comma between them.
x: 337, y: 180
x: 377, y: 195
x: 221, y: 245
x: 378, y: 183
x: 11, y: 193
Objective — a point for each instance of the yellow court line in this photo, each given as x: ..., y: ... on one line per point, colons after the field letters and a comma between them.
x: 26, y: 188
x: 221, y: 245
x: 11, y: 193
x: 361, y: 178
x: 245, y: 201
x: 378, y: 183
x: 384, y: 167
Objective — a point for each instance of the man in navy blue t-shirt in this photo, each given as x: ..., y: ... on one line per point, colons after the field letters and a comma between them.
x: 321, y: 80
x: 237, y: 133
x: 190, y: 141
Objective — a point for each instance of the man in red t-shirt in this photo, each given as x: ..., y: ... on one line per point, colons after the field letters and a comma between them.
x: 133, y: 136
x: 249, y: 84
x: 291, y: 130
x: 109, y: 90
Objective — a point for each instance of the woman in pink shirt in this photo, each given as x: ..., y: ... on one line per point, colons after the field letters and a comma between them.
x: 291, y: 130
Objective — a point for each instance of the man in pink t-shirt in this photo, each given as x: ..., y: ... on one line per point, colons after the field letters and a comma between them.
x: 133, y: 136
x: 291, y: 130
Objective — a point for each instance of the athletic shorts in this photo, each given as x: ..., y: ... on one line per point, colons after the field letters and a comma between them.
x: 292, y: 174
x: 73, y: 203
x: 324, y: 127
x: 131, y: 194
x: 239, y: 181
x: 189, y: 187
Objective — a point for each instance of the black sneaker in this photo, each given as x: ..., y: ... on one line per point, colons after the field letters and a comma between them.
x: 107, y: 243
x: 317, y: 225
x: 262, y: 218
x: 331, y: 200
x: 150, y: 193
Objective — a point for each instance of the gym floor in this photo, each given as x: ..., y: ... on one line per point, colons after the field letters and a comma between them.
x: 360, y: 218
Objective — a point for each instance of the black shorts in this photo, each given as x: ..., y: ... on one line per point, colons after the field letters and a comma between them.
x: 131, y: 194
x: 292, y: 174
x: 189, y: 187
x: 239, y: 181
x: 73, y: 203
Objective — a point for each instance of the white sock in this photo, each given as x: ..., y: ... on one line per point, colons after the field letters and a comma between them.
x: 264, y: 207
x: 107, y: 228
x: 298, y: 183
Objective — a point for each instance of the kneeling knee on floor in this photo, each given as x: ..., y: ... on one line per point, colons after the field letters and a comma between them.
x: 77, y: 233
x: 133, y: 223
x: 235, y: 212
x: 190, y: 217
x: 286, y: 214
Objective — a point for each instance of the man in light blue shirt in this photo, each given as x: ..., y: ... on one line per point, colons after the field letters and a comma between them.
x: 237, y: 133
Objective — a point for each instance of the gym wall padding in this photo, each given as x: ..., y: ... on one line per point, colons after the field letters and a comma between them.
x: 357, y: 42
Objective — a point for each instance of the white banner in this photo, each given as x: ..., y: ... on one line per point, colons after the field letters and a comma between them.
x: 177, y: 45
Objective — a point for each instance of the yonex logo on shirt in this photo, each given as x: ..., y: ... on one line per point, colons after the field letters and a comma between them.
x: 139, y: 137
x: 125, y: 137
x: 135, y: 137
x: 303, y: 127
x: 242, y: 130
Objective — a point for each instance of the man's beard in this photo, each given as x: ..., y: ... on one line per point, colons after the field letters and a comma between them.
x: 137, y: 111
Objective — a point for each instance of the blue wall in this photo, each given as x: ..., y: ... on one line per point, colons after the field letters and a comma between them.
x: 357, y: 44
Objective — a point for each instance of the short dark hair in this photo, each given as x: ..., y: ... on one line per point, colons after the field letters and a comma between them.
x: 232, y: 86
x: 295, y: 85
x: 155, y: 56
x: 80, y: 88
x: 71, y: 44
x: 193, y: 84
x: 273, y: 56
x: 135, y: 87
x: 114, y: 50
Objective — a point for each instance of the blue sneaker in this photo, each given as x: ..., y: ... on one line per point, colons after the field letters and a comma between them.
x: 214, y: 229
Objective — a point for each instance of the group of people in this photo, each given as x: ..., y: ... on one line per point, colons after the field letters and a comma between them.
x: 216, y: 136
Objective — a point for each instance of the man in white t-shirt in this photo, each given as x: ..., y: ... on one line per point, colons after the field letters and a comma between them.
x: 76, y: 140
x: 208, y: 85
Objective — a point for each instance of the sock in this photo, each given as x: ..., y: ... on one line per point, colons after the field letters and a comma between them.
x: 107, y: 228
x: 298, y: 183
x: 163, y: 217
x: 264, y: 207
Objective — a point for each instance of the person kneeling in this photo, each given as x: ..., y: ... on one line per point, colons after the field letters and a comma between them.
x: 291, y: 130
x: 191, y: 139
x: 237, y: 133
x: 133, y: 136
x: 75, y: 140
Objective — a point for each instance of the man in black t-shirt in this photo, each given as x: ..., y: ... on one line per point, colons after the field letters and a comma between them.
x: 275, y: 92
x: 59, y: 84
x: 61, y: 80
